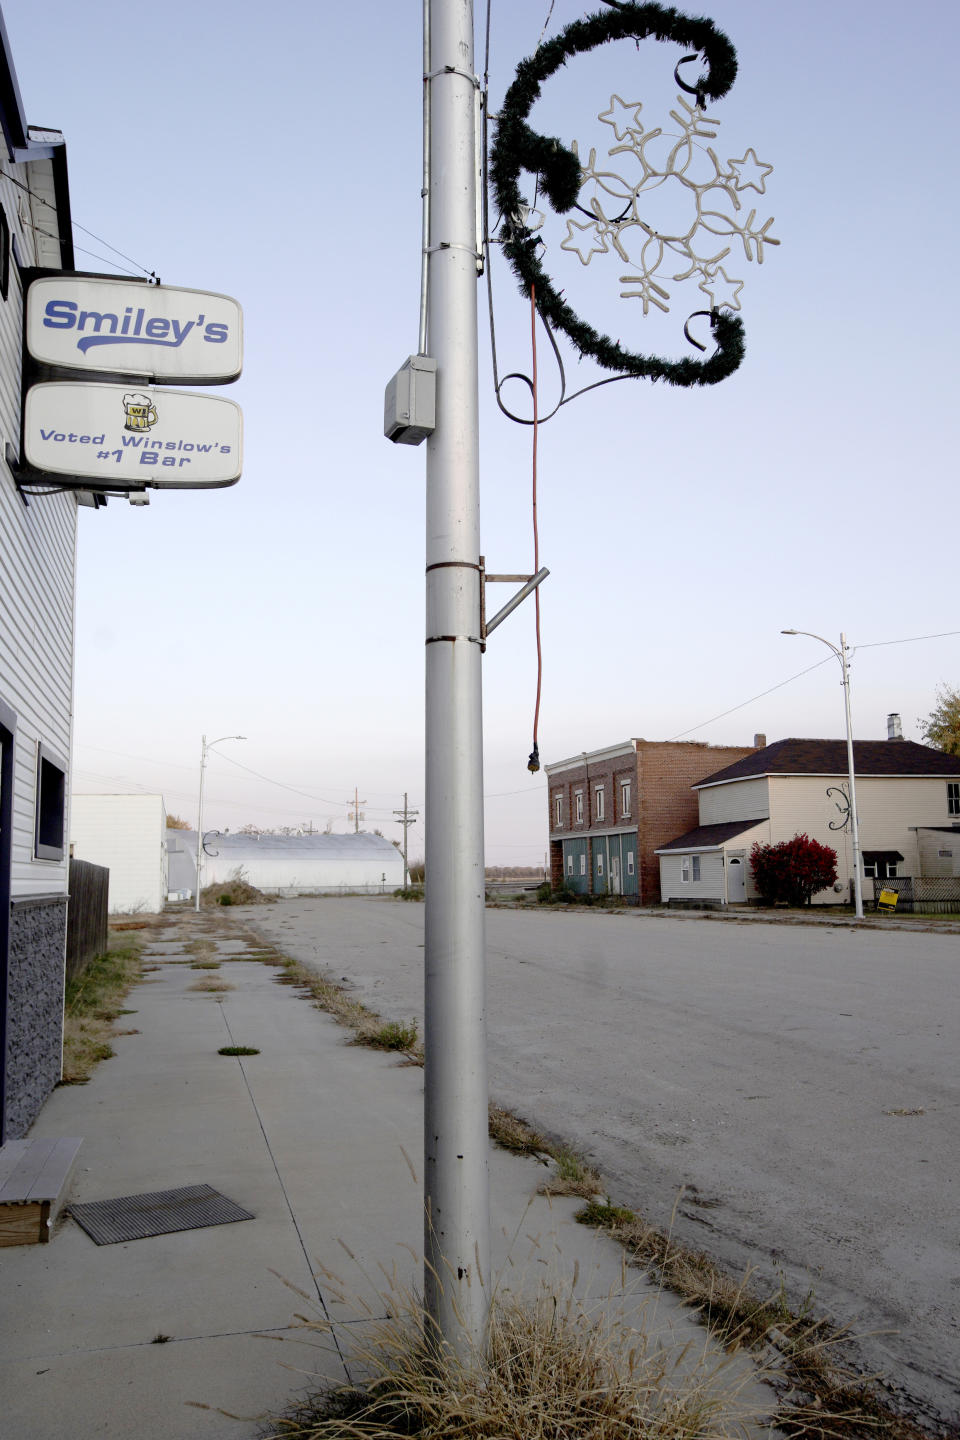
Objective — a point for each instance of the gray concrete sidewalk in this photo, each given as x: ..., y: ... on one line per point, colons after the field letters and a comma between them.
x: 313, y: 1135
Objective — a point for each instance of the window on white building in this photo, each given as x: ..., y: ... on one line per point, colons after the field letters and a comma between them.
x: 695, y: 861
x: 953, y: 797
x: 51, y: 801
x: 685, y: 869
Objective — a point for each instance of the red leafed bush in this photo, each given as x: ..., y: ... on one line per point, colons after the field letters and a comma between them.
x: 794, y: 870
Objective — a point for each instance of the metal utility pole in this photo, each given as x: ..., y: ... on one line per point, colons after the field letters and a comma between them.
x: 456, y: 1182
x: 203, y: 765
x: 356, y: 814
x: 407, y: 817
x: 843, y: 655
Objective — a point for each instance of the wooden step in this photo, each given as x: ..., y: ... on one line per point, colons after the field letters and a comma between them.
x: 34, y: 1175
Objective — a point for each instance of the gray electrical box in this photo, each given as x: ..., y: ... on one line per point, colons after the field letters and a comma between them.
x: 410, y: 402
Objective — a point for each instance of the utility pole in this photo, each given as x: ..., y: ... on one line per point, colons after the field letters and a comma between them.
x: 456, y: 1180
x: 407, y: 817
x: 205, y: 748
x: 356, y: 814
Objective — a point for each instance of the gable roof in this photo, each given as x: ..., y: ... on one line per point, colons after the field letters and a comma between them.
x: 710, y: 837
x: 829, y: 757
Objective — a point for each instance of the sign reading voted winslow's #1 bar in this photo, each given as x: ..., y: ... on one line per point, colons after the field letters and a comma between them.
x: 118, y: 327
x: 123, y: 437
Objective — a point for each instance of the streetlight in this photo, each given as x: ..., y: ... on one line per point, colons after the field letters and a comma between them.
x: 203, y: 766
x: 842, y: 656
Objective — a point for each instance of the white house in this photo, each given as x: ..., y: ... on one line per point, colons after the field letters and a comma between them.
x: 302, y: 864
x: 37, y: 552
x: 908, y: 808
x: 127, y: 834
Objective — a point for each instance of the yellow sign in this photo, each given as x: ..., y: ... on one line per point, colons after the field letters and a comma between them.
x: 888, y: 900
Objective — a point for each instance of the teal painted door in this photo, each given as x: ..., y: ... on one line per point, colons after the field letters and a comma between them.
x: 575, y: 875
x: 601, y: 865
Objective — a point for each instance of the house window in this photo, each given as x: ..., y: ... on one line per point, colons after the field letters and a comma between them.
x: 870, y: 869
x: 629, y: 862
x: 945, y: 854
x: 583, y: 864
x: 953, y: 797
x: 569, y: 864
x: 625, y: 797
x: 685, y: 869
x: 598, y: 802
x: 51, y: 798
x: 695, y: 862
x: 578, y: 806
x: 600, y: 862
x: 558, y: 811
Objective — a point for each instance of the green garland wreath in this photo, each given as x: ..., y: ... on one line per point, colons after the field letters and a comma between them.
x: 516, y: 147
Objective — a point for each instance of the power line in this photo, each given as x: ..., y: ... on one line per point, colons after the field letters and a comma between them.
x: 744, y: 703
x: 910, y: 640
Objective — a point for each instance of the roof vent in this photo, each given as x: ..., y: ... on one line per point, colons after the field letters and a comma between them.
x: 894, y: 728
x: 759, y: 742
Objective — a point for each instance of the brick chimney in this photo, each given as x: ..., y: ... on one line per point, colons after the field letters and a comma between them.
x: 894, y: 728
x: 759, y: 742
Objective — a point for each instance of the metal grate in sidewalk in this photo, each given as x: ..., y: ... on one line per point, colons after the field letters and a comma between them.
x: 163, y: 1212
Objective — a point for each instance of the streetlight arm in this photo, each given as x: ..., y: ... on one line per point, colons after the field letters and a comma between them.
x: 828, y: 643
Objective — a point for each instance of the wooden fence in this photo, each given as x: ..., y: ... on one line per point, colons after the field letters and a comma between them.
x: 929, y: 894
x: 86, y: 915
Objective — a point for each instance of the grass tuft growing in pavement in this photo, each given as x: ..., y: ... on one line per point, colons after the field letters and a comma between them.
x: 369, y: 1028
x: 92, y: 1003
x: 553, y: 1369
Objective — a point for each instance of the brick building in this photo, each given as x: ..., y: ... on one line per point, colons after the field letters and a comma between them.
x: 610, y: 810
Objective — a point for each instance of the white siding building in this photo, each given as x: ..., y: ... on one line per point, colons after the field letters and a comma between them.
x: 37, y: 565
x: 908, y: 807
x: 128, y: 835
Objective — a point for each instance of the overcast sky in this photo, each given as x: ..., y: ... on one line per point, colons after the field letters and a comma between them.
x: 273, y: 153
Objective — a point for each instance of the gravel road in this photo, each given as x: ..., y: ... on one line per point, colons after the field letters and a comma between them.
x: 801, y: 1084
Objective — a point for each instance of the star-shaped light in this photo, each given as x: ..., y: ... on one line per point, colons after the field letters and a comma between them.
x: 624, y: 116
x: 750, y: 166
x: 593, y: 243
x: 721, y: 290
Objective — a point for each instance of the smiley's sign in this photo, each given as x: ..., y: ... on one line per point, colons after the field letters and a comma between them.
x: 150, y: 332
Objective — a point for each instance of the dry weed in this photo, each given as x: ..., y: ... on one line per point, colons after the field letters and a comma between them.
x: 553, y: 1370
x: 92, y: 1003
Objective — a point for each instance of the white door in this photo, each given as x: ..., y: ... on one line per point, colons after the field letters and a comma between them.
x: 736, y: 880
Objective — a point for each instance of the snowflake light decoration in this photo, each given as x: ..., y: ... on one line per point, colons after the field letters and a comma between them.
x: 618, y: 219
x: 618, y: 209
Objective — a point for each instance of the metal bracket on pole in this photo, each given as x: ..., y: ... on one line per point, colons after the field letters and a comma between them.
x: 532, y: 581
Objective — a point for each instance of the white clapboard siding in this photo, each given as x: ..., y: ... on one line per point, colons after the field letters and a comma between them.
x: 127, y: 834
x: 37, y: 570
x: 738, y: 800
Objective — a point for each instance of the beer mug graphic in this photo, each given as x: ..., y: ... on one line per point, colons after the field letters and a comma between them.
x: 140, y: 413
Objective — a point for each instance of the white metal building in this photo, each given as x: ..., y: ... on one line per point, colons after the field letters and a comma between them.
x: 37, y: 565
x: 128, y: 835
x: 303, y: 864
